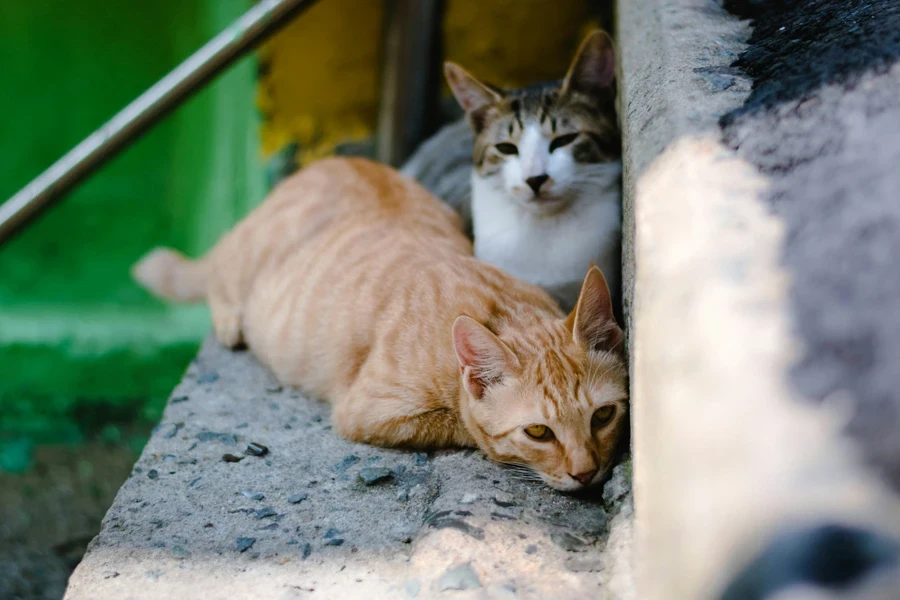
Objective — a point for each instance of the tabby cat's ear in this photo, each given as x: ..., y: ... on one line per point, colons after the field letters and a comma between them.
x: 594, y: 69
x: 592, y: 322
x: 471, y: 94
x: 483, y: 358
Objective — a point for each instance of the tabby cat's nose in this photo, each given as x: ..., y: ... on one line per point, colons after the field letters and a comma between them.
x: 536, y: 182
x: 584, y: 478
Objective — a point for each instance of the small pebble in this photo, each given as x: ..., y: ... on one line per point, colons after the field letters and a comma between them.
x: 153, y: 474
x: 228, y: 439
x: 208, y: 378
x: 166, y: 430
x: 232, y: 458
x: 274, y: 388
x: 179, y: 552
x: 194, y: 481
x: 420, y: 458
x: 468, y: 498
x: 298, y: 498
x: 567, y: 541
x: 256, y: 449
x: 462, y: 577
x: 245, y: 543
x: 307, y: 550
x: 179, y: 399
x: 335, y: 542
x: 531, y: 549
x: 403, y: 496
x: 332, y: 533
x: 252, y: 495
x: 269, y: 527
x: 373, y: 475
x: 266, y: 512
x: 503, y: 501
x: 717, y: 82
x: 583, y: 564
x: 345, y: 463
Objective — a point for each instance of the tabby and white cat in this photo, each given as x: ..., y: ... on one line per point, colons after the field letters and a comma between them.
x: 357, y: 285
x: 544, y: 194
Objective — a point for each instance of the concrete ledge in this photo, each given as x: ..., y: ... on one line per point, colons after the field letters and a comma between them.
x: 300, y: 521
x: 727, y: 456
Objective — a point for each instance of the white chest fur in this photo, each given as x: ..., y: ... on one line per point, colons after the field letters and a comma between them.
x: 552, y: 251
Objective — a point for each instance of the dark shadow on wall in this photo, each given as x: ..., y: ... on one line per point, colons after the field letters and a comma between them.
x: 798, y: 46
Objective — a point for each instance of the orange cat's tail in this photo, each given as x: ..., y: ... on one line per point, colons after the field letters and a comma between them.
x: 169, y: 275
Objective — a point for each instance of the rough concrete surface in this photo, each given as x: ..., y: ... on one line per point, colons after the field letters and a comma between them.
x: 823, y: 122
x: 728, y: 458
x: 299, y: 521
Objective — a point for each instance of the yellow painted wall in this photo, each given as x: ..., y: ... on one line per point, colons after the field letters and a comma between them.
x: 320, y: 77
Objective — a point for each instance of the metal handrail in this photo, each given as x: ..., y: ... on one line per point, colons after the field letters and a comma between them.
x: 256, y: 25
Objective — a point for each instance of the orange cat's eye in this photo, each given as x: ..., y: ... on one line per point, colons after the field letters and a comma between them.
x: 602, y: 416
x: 507, y: 148
x: 539, y: 432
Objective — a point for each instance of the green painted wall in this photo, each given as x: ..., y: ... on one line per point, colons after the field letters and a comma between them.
x: 76, y: 335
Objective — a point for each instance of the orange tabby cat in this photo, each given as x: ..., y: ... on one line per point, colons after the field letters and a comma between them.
x: 354, y: 283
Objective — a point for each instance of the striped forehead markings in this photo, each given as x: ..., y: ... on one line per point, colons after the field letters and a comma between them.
x: 516, y: 107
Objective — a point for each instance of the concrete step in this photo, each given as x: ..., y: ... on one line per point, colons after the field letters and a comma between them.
x: 743, y: 488
x: 300, y: 521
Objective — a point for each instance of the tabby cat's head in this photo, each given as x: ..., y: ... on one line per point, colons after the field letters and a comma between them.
x: 552, y: 398
x: 546, y: 145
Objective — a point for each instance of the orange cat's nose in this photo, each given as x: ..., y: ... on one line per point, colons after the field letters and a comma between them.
x: 584, y: 478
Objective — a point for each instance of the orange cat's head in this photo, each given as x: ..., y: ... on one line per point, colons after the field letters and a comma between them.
x: 550, y: 398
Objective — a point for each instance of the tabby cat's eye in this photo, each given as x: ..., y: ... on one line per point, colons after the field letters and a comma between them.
x: 602, y: 416
x: 507, y: 148
x: 539, y: 432
x: 563, y: 140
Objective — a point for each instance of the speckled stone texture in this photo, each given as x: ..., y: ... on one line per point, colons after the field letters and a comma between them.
x: 320, y: 517
x: 823, y: 122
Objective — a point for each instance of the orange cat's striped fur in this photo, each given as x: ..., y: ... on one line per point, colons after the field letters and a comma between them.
x: 355, y: 284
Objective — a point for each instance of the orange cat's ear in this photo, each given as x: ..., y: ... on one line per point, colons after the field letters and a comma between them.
x: 592, y: 322
x: 470, y: 93
x: 594, y: 69
x: 483, y: 358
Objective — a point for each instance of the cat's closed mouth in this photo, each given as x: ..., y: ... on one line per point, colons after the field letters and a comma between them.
x: 547, y: 204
